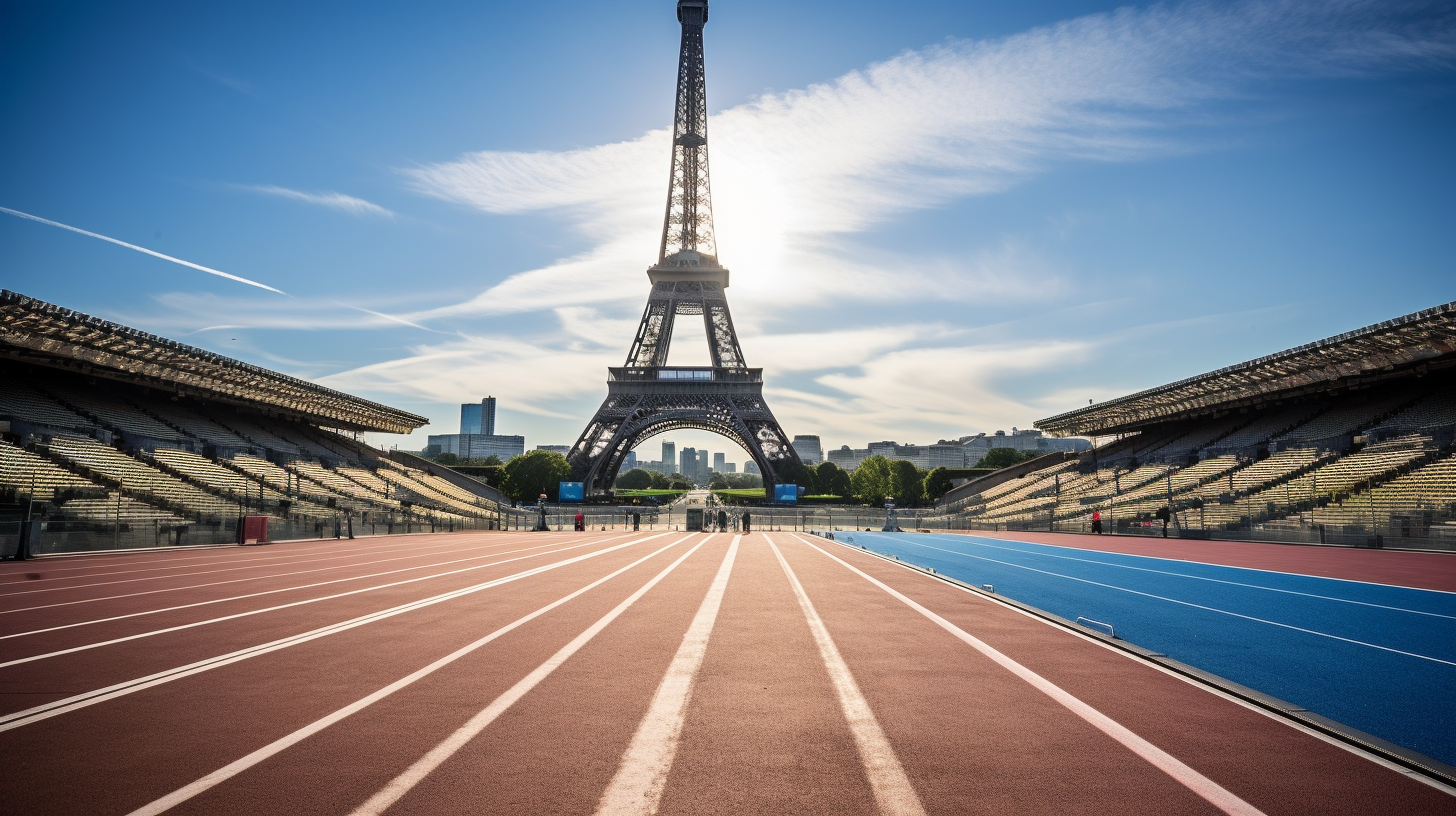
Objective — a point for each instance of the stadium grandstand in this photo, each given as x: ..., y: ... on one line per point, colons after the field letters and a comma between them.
x: 114, y: 438
x: 1347, y: 440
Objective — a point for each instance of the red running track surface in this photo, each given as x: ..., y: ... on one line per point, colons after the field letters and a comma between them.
x: 955, y: 704
x: 1421, y: 570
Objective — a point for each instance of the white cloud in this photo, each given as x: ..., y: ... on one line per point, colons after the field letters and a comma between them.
x: 335, y: 201
x: 794, y: 172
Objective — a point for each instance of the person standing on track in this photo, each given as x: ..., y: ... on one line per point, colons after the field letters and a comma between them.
x: 580, y: 523
x: 745, y: 523
x: 1097, y: 522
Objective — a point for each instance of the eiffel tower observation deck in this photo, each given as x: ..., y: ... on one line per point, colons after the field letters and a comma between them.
x: 646, y: 396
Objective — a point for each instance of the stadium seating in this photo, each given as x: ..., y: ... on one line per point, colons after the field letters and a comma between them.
x: 114, y: 413
x: 20, y: 401
x: 1435, y: 410
x: 35, y: 476
x: 136, y: 477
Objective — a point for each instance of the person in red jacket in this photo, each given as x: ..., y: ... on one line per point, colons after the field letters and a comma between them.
x: 580, y: 523
x: 1097, y: 522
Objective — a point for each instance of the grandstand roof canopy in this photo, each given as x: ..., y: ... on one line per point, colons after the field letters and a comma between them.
x: 1406, y: 346
x: 41, y: 333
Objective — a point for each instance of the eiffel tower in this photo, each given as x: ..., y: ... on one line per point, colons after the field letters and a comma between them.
x: 646, y: 397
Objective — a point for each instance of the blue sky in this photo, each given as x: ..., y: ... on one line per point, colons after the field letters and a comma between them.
x: 941, y: 218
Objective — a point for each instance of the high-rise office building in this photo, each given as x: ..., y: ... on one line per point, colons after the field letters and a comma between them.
x: 688, y: 462
x: 478, y: 419
x: 808, y: 448
x: 700, y: 474
x: 669, y: 456
x: 719, y: 460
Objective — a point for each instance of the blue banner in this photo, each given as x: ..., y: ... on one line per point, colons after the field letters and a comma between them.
x: 570, y: 492
x: 786, y: 493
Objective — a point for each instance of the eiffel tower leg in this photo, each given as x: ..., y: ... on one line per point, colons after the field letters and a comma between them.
x: 734, y: 410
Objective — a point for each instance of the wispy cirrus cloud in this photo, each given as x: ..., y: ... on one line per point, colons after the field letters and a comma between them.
x: 334, y: 201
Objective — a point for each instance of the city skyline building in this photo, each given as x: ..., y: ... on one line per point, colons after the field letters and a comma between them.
x: 476, y: 446
x: 478, y: 418
x: 810, y: 451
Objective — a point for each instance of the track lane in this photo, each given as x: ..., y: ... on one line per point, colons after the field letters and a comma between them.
x: 43, y: 682
x: 402, y: 783
x: 143, y: 746
x: 69, y: 640
x: 46, y: 595
x: 131, y: 566
x: 763, y: 731
x: 552, y: 751
x: 113, y: 608
x: 969, y: 734
x: 1422, y: 570
x: 1266, y: 762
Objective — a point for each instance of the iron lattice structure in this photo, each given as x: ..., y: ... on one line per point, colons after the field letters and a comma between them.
x: 646, y: 397
x: 688, y: 224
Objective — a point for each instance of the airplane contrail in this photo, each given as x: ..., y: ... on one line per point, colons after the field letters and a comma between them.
x: 153, y: 253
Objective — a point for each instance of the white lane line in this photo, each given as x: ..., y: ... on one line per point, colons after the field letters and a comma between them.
x: 68, y: 587
x: 230, y: 770
x: 636, y: 789
x: 305, y: 602
x: 1232, y: 614
x: 431, y: 565
x: 1116, y: 565
x: 894, y: 794
x: 426, y: 764
x: 90, y: 698
x: 1211, y: 791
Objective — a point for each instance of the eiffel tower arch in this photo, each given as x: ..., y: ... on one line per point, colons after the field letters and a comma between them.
x: 646, y: 396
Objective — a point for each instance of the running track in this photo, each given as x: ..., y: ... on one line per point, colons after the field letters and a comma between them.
x: 622, y: 674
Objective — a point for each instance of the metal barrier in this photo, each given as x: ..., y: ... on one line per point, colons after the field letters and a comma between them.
x: 1093, y: 624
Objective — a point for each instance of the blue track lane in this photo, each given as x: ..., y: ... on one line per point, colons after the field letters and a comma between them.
x: 1379, y: 658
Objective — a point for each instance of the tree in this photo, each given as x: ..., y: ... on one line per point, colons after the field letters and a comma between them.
x: 680, y: 482
x: 533, y: 473
x: 635, y: 479
x: 905, y: 480
x: 1005, y: 457
x: 936, y: 483
x: 447, y: 459
x: 660, y: 481
x: 796, y: 473
x: 870, y: 482
x: 491, y: 460
x: 833, y: 481
x: 717, y: 481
